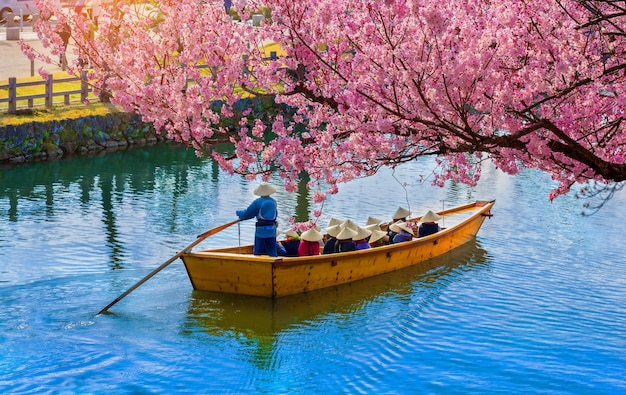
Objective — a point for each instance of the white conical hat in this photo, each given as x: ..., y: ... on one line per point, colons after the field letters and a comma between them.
x: 312, y: 235
x: 361, y: 233
x: 394, y: 227
x: 334, y: 221
x: 405, y: 227
x: 373, y: 221
x: 401, y: 212
x: 291, y: 233
x: 333, y: 230
x: 377, y: 234
x: 350, y: 224
x: 372, y: 227
x: 430, y: 217
x: 264, y: 190
x: 346, y: 233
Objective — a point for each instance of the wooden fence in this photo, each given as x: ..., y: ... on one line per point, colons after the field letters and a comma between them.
x: 49, y: 91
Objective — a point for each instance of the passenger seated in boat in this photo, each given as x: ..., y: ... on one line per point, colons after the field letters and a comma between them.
x: 332, y: 232
x: 392, y: 231
x: 310, y: 243
x: 405, y: 233
x: 361, y: 238
x: 377, y: 238
x: 344, y: 241
x: 429, y: 224
x: 265, y: 211
x: 399, y: 216
x: 291, y: 243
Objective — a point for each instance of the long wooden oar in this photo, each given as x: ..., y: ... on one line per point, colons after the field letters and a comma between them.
x: 172, y: 259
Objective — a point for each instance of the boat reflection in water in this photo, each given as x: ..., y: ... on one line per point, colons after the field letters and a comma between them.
x: 262, y: 318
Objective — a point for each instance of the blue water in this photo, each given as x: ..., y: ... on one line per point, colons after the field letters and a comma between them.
x: 536, y: 304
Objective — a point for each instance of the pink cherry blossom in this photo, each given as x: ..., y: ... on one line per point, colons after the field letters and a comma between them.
x: 363, y: 84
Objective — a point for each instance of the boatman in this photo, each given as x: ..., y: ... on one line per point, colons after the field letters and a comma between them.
x: 265, y: 211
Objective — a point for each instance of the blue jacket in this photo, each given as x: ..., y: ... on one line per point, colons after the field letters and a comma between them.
x: 329, y: 247
x: 291, y: 247
x: 345, y: 245
x: 264, y: 209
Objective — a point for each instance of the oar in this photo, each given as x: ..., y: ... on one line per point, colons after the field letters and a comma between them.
x: 172, y: 259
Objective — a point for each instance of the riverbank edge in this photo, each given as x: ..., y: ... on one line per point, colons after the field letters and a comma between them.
x: 89, y: 135
x: 92, y: 134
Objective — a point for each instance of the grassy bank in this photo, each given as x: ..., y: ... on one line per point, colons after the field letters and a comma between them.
x: 72, y: 111
x: 58, y: 113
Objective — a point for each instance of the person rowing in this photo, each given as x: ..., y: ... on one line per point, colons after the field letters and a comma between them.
x: 264, y: 208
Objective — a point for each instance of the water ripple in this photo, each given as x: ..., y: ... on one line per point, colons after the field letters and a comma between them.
x: 535, y: 304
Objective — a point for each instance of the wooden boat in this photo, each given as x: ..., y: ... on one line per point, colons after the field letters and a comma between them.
x: 247, y: 317
x: 236, y: 270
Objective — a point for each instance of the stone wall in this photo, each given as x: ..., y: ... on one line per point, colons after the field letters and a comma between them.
x: 39, y: 141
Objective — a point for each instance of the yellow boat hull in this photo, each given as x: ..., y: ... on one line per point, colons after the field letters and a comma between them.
x: 235, y: 270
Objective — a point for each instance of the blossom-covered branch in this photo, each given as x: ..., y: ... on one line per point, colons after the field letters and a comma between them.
x: 362, y: 84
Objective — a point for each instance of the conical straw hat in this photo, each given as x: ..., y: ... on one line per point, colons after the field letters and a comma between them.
x: 312, y: 235
x: 334, y: 221
x: 291, y: 233
x: 333, y: 230
x: 346, y: 233
x: 372, y: 227
x: 401, y: 212
x: 394, y: 227
x: 377, y: 234
x: 430, y: 217
x: 350, y: 224
x: 361, y: 233
x: 373, y: 221
x: 264, y: 190
x: 405, y: 227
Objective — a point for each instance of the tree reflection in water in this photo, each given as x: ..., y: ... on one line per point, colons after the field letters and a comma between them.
x: 165, y: 171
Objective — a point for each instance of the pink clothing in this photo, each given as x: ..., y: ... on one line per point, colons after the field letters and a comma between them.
x: 308, y: 248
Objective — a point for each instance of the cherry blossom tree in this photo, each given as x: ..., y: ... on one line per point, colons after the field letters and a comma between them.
x: 362, y: 84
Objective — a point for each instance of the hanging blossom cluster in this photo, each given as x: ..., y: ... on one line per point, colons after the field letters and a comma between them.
x: 362, y: 84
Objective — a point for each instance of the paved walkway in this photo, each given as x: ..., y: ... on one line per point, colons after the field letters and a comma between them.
x: 13, y: 62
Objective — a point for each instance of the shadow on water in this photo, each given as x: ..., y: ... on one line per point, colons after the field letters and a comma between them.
x: 262, y: 320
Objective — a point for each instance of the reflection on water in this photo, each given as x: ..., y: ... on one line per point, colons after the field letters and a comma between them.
x: 535, y: 304
x: 171, y: 187
x: 132, y: 170
x: 261, y: 320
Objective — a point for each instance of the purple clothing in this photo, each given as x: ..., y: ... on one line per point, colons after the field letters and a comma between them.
x: 362, y: 245
x: 402, y: 236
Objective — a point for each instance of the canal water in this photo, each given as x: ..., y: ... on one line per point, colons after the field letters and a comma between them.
x: 536, y: 304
